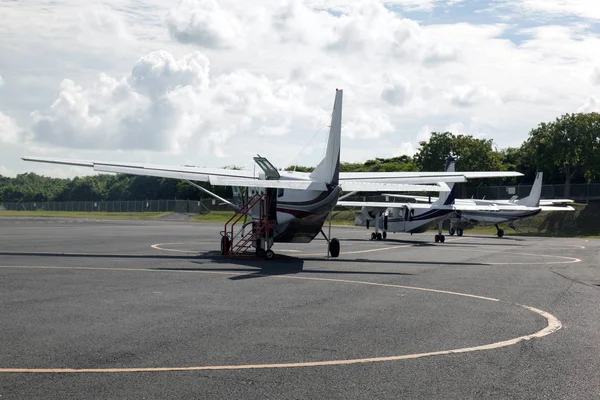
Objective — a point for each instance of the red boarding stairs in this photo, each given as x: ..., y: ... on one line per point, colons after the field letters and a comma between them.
x: 237, y: 244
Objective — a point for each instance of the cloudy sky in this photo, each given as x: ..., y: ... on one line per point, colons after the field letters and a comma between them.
x: 213, y: 82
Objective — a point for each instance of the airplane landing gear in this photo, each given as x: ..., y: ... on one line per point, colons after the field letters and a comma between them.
x: 451, y: 231
x: 384, y: 235
x: 459, y: 232
x: 333, y: 245
x: 500, y: 232
x: 440, y: 238
x: 334, y: 248
x: 225, y: 245
x: 378, y: 235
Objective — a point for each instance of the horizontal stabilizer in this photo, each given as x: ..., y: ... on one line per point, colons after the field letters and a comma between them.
x: 557, y: 208
x: 549, y: 202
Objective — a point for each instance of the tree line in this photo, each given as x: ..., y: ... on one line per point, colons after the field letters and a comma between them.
x: 567, y: 150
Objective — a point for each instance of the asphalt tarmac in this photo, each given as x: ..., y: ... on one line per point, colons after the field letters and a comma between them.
x: 150, y: 309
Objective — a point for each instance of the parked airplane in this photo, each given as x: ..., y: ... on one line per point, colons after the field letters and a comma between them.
x: 405, y: 217
x: 503, y: 211
x: 297, y: 204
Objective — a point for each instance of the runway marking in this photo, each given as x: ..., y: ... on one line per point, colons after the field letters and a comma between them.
x: 569, y: 260
x: 553, y: 325
x: 158, y: 246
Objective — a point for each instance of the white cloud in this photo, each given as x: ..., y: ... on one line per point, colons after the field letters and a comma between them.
x: 596, y: 76
x: 396, y: 90
x: 471, y: 95
x: 1, y: 81
x: 5, y: 171
x: 367, y: 125
x: 344, y: 5
x: 205, y: 23
x: 587, y: 9
x: 168, y: 104
x: 592, y: 104
x: 9, y: 129
x: 101, y: 26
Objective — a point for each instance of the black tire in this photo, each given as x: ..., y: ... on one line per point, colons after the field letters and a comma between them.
x: 451, y: 231
x: 442, y: 238
x: 334, y: 248
x: 459, y: 232
x: 373, y: 236
x: 269, y: 254
x: 225, y: 244
x: 378, y: 235
x: 500, y: 233
x: 437, y: 238
x: 384, y: 235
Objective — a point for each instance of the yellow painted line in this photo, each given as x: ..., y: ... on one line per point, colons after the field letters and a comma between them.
x: 553, y: 325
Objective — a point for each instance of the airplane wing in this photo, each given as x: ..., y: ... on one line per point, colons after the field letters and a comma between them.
x: 422, y: 199
x: 440, y: 176
x: 216, y: 176
x: 506, y: 207
x: 379, y: 204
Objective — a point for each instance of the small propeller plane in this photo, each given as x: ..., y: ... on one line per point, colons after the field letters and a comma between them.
x: 298, y: 203
x: 419, y: 217
x: 471, y: 212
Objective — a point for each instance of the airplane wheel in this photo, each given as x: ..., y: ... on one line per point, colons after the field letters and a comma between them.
x: 224, y: 245
x: 378, y: 235
x: 334, y: 248
x: 269, y: 254
x: 451, y: 231
x: 459, y: 232
x: 384, y: 235
x: 373, y: 236
x: 437, y: 238
x: 500, y: 232
x: 442, y: 238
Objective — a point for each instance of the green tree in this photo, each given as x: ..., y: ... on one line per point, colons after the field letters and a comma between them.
x: 569, y: 145
x: 474, y: 154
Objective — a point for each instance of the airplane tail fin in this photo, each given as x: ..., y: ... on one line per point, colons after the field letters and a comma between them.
x: 328, y: 170
x: 447, y: 198
x: 533, y: 200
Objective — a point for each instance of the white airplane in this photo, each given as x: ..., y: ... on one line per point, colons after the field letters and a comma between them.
x: 293, y: 206
x: 468, y: 214
x: 419, y: 217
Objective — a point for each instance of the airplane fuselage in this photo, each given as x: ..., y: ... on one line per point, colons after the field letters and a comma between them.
x: 466, y: 218
x: 302, y: 213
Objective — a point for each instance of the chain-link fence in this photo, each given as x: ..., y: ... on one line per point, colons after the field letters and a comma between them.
x: 579, y: 192
x: 180, y: 206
